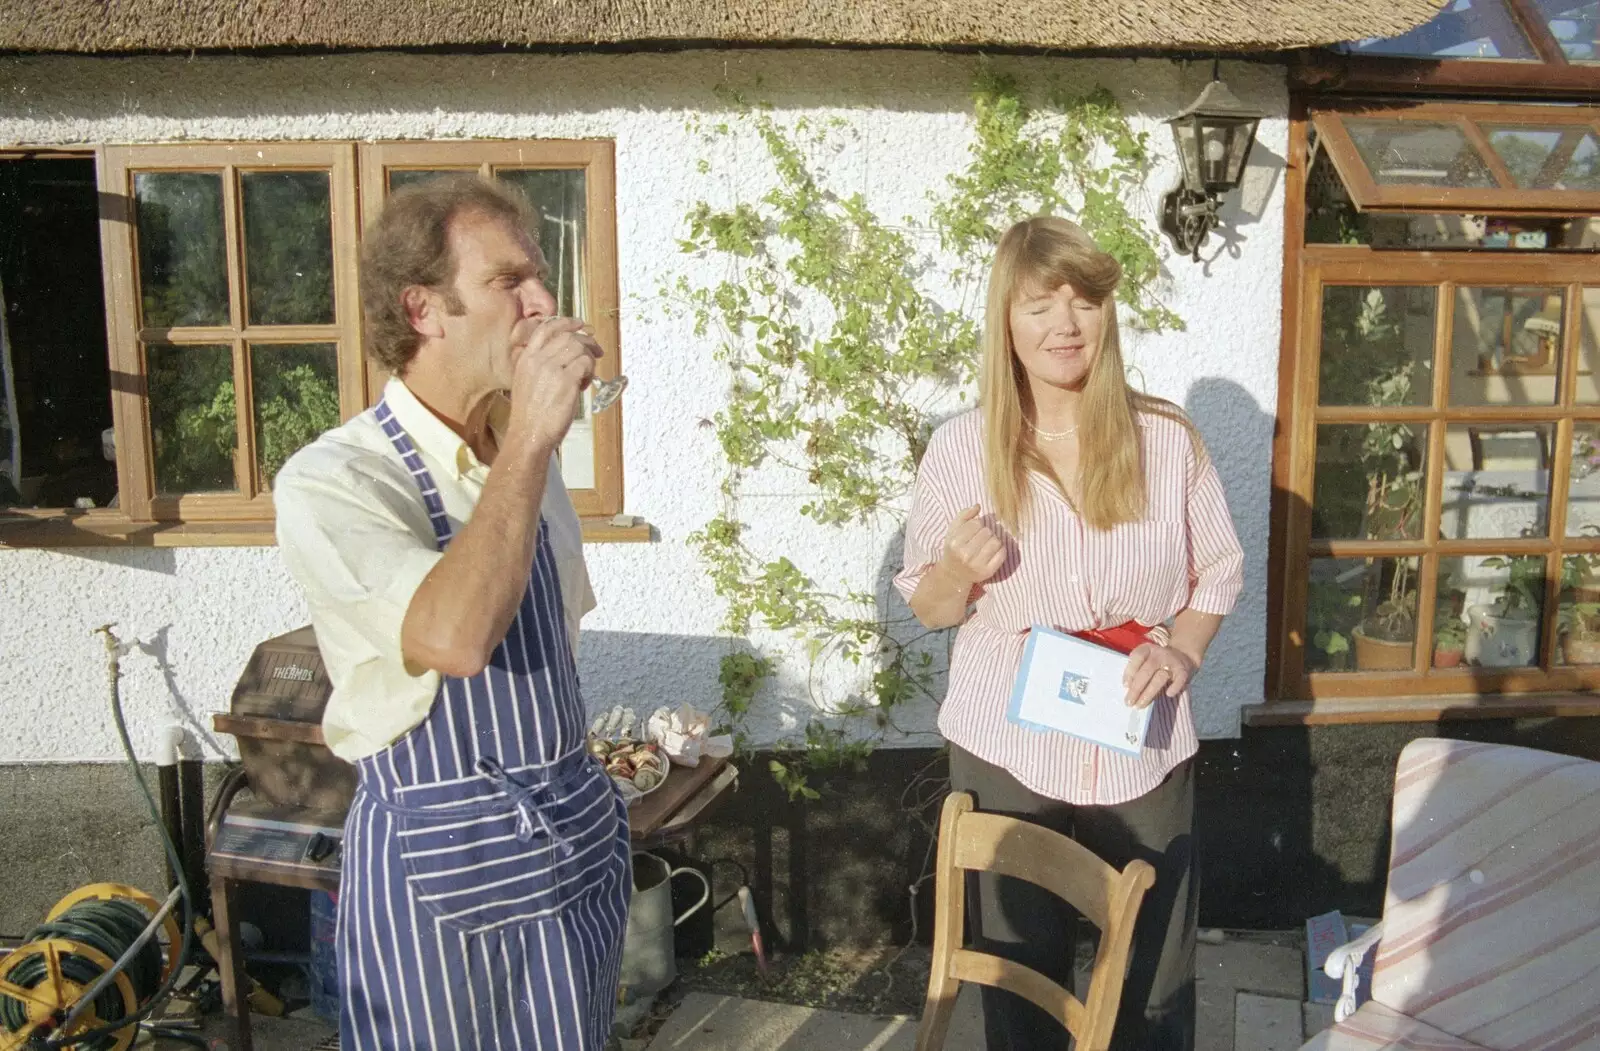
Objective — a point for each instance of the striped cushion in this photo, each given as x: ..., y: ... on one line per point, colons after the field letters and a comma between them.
x: 1492, y: 915
x: 1375, y: 1027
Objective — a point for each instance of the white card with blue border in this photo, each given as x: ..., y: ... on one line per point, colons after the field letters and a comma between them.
x: 1067, y: 685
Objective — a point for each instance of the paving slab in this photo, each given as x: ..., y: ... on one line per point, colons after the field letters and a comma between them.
x: 274, y: 1034
x: 1266, y: 1023
x: 1253, y: 967
x: 1315, y: 1018
x: 703, y: 1022
x: 1213, y: 1023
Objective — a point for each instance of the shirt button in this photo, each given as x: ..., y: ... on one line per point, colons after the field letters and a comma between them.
x: 1072, y: 579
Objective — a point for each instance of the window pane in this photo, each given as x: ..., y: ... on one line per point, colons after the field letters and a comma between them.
x: 1418, y: 153
x: 1576, y: 26
x: 288, y: 247
x: 1578, y: 619
x: 1377, y: 346
x: 55, y: 386
x: 183, y: 269
x: 559, y: 194
x: 1551, y: 158
x: 1465, y: 29
x: 1506, y: 346
x: 1361, y: 614
x: 1502, y: 601
x: 399, y: 177
x: 296, y: 391
x: 193, y: 419
x: 1589, y: 347
x: 1331, y: 218
x: 1449, y: 618
x: 577, y: 450
x: 1583, y: 482
x: 1369, y: 481
x: 1496, y: 480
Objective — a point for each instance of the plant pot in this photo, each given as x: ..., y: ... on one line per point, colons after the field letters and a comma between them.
x: 1380, y: 654
x: 1450, y: 658
x: 1580, y: 649
x: 1501, y: 641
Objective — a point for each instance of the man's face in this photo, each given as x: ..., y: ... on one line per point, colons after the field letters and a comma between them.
x: 499, y: 281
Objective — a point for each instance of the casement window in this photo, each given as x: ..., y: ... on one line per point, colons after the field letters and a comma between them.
x: 180, y: 319
x: 1437, y: 516
x: 573, y: 185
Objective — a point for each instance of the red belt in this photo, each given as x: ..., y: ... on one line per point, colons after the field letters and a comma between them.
x: 1124, y: 638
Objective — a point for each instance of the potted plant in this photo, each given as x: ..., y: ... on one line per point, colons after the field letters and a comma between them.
x: 1580, y: 633
x: 1449, y: 641
x: 1331, y: 613
x: 1508, y: 631
x: 1386, y: 638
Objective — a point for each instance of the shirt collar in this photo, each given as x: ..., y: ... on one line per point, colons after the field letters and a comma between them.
x: 431, y: 435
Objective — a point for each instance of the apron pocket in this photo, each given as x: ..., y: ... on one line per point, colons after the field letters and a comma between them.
x: 476, y: 874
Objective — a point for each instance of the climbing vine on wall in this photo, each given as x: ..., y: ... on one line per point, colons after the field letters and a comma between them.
x: 839, y: 330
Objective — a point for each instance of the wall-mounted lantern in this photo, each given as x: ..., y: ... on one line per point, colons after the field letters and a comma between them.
x: 1214, y: 134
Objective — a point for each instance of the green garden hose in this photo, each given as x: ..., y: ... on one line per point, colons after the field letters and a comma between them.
x: 110, y: 927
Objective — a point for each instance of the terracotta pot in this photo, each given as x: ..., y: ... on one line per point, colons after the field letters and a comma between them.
x: 1580, y: 649
x: 1447, y: 658
x: 1378, y: 655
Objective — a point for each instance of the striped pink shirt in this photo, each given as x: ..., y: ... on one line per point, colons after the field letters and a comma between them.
x: 1061, y: 573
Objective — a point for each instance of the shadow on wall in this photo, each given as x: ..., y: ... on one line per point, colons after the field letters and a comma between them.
x: 1244, y: 207
x: 441, y: 86
x: 1261, y: 861
x: 645, y: 671
x: 156, y: 648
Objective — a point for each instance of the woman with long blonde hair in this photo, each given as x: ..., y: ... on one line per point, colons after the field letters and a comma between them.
x: 1069, y: 500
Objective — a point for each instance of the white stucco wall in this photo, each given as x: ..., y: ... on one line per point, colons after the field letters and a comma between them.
x: 198, y: 612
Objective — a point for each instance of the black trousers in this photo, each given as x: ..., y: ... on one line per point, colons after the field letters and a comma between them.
x: 1015, y: 919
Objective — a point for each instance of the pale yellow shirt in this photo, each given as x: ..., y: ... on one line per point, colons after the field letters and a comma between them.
x: 356, y: 537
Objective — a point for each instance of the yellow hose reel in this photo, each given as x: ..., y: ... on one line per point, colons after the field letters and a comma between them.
x: 44, y: 980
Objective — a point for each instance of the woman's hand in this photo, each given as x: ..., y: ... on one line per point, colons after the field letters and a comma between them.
x: 972, y: 551
x: 1155, y: 670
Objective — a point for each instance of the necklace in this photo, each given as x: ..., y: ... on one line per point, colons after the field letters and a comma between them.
x: 1049, y: 436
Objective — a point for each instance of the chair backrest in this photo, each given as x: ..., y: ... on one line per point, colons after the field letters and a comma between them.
x: 973, y: 841
x: 1490, y: 919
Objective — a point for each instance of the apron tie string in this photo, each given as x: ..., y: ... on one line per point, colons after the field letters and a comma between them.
x: 526, y: 799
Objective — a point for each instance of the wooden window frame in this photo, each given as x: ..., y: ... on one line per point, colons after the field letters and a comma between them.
x: 1470, y: 118
x: 1323, y: 266
x: 1550, y: 75
x: 1289, y: 701
x: 119, y: 245
x: 245, y: 518
x: 597, y: 159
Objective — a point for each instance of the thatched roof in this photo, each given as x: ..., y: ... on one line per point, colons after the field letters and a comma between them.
x: 1100, y: 25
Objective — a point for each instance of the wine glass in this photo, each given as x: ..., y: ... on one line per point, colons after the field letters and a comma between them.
x: 604, y: 393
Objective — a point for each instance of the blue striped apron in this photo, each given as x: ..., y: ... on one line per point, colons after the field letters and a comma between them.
x: 487, y: 869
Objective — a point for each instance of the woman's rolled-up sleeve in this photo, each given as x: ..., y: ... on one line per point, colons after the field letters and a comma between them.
x: 929, y: 520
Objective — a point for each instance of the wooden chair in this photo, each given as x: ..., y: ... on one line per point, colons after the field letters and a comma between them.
x: 970, y: 841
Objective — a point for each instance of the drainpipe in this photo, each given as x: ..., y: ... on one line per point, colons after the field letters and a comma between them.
x: 168, y: 746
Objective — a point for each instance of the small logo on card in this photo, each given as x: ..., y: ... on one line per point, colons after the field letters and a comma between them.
x: 1074, y: 687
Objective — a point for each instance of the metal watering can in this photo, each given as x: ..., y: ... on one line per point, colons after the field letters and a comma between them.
x: 649, y: 963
